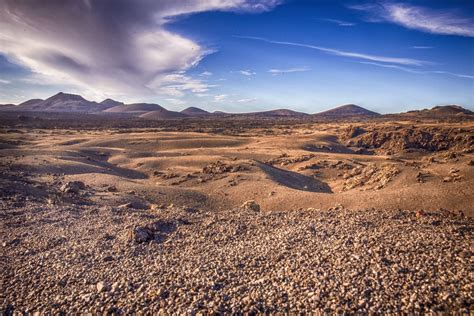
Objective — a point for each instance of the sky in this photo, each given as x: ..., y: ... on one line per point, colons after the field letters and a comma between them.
x: 241, y: 55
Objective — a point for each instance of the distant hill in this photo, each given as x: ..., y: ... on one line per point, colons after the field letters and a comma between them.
x: 193, y: 111
x: 440, y: 112
x: 346, y: 111
x: 162, y: 114
x: 281, y: 113
x: 31, y: 102
x: 135, y: 108
x: 110, y: 103
x: 62, y: 102
x: 72, y: 103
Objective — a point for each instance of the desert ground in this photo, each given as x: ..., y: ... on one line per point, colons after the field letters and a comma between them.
x: 368, y: 216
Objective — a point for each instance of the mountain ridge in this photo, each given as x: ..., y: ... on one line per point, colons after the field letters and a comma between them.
x: 74, y: 103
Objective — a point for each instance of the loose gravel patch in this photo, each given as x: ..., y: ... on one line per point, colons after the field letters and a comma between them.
x: 81, y: 258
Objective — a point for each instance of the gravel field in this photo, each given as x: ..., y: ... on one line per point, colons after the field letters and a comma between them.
x: 84, y: 258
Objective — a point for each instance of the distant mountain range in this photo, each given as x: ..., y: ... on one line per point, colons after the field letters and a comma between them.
x: 64, y: 102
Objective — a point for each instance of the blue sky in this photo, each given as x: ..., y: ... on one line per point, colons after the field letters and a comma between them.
x: 244, y: 55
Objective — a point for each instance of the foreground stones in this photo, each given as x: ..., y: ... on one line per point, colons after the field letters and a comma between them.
x: 73, y: 187
x: 251, y: 206
x: 235, y: 261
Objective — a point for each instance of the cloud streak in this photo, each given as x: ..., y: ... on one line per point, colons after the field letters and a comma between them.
x: 337, y: 52
x: 99, y: 47
x: 285, y: 71
x: 419, y: 18
x: 247, y: 72
x: 421, y: 72
x: 339, y: 22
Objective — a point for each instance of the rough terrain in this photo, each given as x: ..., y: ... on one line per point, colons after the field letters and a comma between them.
x: 367, y: 217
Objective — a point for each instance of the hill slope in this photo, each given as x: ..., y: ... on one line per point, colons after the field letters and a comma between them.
x: 162, y: 114
x: 193, y: 111
x: 62, y: 102
x: 440, y: 111
x: 346, y: 111
x: 135, y: 108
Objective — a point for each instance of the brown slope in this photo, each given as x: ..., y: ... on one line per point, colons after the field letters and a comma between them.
x: 346, y: 111
x: 62, y: 102
x: 134, y: 108
x: 163, y: 114
x: 194, y: 111
x: 110, y: 103
x: 440, y: 111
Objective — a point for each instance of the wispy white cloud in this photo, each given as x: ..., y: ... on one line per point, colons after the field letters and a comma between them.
x: 175, y: 101
x: 178, y: 84
x: 290, y: 70
x: 220, y: 97
x: 446, y: 22
x: 247, y: 72
x: 339, y: 22
x: 452, y: 74
x: 3, y: 81
x: 421, y: 72
x: 422, y: 47
x: 249, y: 100
x: 91, y: 46
x: 205, y: 73
x: 332, y: 51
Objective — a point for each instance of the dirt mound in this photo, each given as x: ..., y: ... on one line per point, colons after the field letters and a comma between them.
x: 395, y: 139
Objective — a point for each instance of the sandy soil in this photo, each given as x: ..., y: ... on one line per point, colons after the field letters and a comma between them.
x: 281, y: 169
x: 193, y: 178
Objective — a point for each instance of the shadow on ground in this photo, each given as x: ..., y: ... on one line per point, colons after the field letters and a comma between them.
x: 294, y: 180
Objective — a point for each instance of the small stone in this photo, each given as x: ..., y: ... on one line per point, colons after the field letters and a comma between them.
x: 251, y: 205
x: 142, y: 234
x: 138, y: 205
x: 112, y: 188
x: 73, y: 187
x: 100, y: 287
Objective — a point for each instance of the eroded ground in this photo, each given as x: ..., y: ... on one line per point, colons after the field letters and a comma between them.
x: 282, y: 169
x: 362, y: 216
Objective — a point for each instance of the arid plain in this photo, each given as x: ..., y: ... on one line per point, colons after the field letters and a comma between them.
x: 224, y: 215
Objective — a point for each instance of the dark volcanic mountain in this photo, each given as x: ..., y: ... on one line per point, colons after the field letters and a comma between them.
x: 31, y: 102
x: 110, y: 103
x: 193, y: 111
x: 281, y: 113
x: 162, y: 114
x: 136, y: 108
x: 440, y: 111
x: 62, y: 102
x: 346, y: 111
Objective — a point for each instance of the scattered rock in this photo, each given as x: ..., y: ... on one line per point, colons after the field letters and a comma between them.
x: 112, y: 188
x: 251, y: 205
x: 73, y: 187
x: 101, y: 287
x: 141, y: 234
x: 136, y: 204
